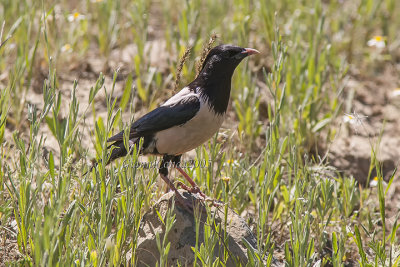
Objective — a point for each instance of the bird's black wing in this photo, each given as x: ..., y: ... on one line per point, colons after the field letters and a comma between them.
x: 162, y: 118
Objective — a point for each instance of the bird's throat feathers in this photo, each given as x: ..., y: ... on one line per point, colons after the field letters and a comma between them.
x: 215, y: 88
x: 217, y: 97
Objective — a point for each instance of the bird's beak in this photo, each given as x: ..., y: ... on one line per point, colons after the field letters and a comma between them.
x: 250, y: 51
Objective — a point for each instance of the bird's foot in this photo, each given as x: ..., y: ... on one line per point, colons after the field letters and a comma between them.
x: 214, y: 203
x: 196, y: 190
x: 186, y: 204
x: 193, y: 190
x: 183, y: 202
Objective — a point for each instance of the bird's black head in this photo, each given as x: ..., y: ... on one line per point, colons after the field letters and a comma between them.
x: 215, y: 77
x: 225, y: 58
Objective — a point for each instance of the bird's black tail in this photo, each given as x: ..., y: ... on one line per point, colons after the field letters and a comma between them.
x: 117, y: 150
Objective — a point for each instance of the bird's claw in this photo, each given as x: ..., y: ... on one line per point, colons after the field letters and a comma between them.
x: 196, y: 190
x: 193, y: 190
x: 214, y: 203
x: 184, y: 203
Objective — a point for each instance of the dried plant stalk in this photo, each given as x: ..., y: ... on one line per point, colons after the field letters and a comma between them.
x: 205, y: 51
x: 180, y: 67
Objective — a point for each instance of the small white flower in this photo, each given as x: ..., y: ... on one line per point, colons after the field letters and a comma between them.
x: 66, y: 48
x: 348, y: 118
x: 395, y: 92
x: 75, y: 17
x: 12, y: 46
x: 377, y: 41
x: 374, y: 182
x: 354, y: 118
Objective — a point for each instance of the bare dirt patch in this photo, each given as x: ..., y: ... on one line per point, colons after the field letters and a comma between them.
x: 375, y: 99
x: 376, y: 112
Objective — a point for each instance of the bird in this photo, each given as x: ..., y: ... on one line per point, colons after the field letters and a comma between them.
x: 187, y: 119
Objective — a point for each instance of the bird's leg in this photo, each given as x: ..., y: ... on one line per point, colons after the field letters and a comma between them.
x: 181, y: 200
x: 176, y: 160
x: 163, y: 170
x: 195, y: 188
x: 187, y: 177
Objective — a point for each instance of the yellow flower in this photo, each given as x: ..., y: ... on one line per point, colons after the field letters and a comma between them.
x: 377, y: 41
x: 232, y: 162
x: 93, y: 255
x: 226, y: 179
x: 314, y: 213
x: 75, y: 17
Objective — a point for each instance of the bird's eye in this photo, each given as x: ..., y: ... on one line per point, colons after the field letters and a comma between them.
x: 229, y: 54
x: 226, y: 54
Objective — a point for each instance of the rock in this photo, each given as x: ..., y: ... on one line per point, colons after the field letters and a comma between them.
x: 183, y: 233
